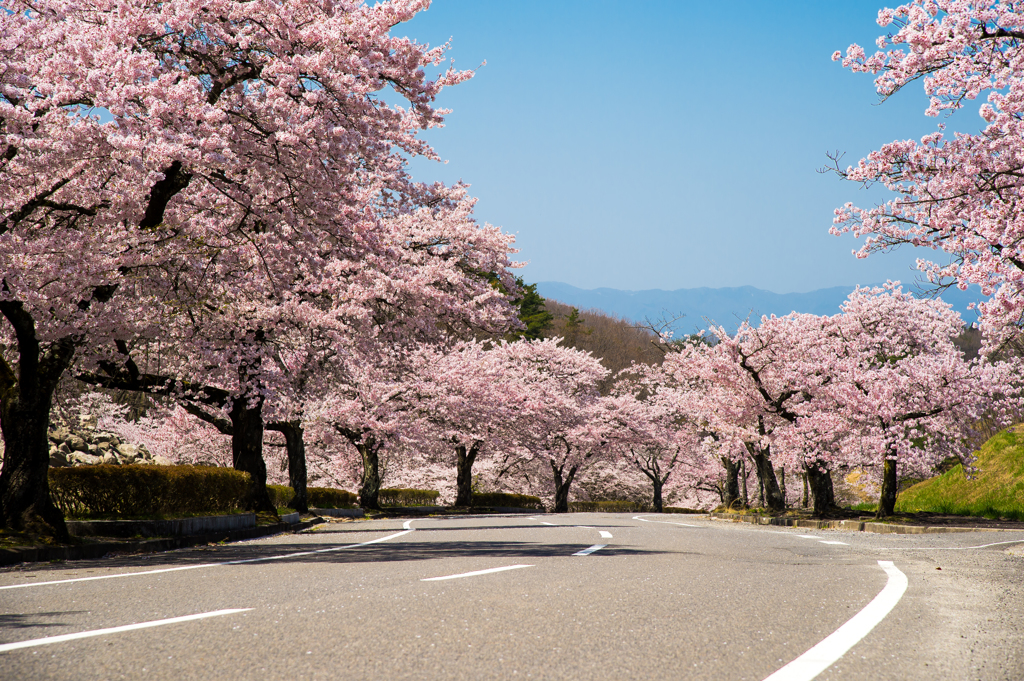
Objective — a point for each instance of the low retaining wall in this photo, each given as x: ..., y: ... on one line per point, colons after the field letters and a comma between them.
x: 851, y: 525
x: 338, y: 512
x: 178, y: 527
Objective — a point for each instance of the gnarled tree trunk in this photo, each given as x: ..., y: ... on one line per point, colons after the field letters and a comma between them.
x: 369, y: 490
x: 773, y: 499
x: 822, y: 492
x: 247, y: 452
x: 296, y: 448
x: 464, y: 473
x: 563, y: 481
x: 25, y: 401
x: 887, y: 500
x: 731, y: 489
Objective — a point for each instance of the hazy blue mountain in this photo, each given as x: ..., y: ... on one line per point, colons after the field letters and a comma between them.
x: 725, y: 306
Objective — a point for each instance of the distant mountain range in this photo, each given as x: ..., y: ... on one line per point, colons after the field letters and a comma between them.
x: 725, y: 306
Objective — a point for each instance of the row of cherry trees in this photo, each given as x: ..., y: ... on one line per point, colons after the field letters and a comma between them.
x: 880, y: 387
x: 210, y: 204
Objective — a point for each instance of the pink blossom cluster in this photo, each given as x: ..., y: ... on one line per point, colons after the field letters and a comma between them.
x: 955, y: 194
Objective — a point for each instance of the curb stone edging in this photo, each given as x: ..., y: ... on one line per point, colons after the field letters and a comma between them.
x: 849, y: 525
x: 38, y: 554
x: 176, y: 527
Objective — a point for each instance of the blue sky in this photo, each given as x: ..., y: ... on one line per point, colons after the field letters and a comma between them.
x: 668, y: 144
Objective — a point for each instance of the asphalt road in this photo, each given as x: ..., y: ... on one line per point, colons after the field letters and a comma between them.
x: 664, y: 597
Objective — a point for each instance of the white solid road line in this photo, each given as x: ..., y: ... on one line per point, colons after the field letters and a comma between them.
x: 605, y: 535
x: 115, y: 630
x: 210, y: 565
x: 951, y: 548
x: 804, y: 536
x: 474, y: 574
x: 588, y: 551
x: 663, y: 522
x: 822, y: 656
x: 823, y: 541
x: 551, y: 524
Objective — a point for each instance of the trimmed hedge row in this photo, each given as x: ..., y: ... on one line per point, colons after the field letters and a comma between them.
x: 607, y: 506
x: 127, y: 491
x: 509, y: 500
x: 408, y: 497
x: 317, y: 497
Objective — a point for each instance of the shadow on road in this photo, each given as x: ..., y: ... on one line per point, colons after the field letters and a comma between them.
x: 34, y: 620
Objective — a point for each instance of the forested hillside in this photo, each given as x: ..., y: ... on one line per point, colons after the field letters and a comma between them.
x: 616, y: 341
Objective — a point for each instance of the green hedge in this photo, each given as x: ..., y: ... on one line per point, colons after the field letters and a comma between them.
x: 509, y: 500
x: 607, y: 507
x: 132, y: 491
x: 317, y: 497
x: 280, y: 495
x: 330, y: 497
x: 408, y: 497
x: 680, y: 509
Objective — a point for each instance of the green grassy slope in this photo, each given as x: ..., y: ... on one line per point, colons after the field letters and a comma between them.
x: 997, y: 489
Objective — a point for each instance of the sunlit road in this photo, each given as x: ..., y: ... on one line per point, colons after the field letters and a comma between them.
x: 581, y: 596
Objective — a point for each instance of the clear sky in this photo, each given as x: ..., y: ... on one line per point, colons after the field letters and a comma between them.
x: 668, y: 143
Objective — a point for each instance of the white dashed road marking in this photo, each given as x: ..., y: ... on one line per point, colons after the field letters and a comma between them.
x: 605, y: 535
x: 588, y: 551
x: 116, y: 630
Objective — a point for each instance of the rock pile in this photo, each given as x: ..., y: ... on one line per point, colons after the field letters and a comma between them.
x: 89, y: 446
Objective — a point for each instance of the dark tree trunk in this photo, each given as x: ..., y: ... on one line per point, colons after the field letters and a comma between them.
x: 296, y: 446
x: 731, y: 491
x: 247, y: 452
x: 464, y: 477
x: 562, y: 483
x: 658, y: 485
x: 746, y: 498
x: 820, y: 482
x: 25, y: 401
x: 804, y: 476
x: 887, y: 501
x: 782, y: 484
x: 369, y: 490
x: 773, y: 499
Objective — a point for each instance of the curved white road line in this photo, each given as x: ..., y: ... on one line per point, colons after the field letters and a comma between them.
x: 822, y: 656
x: 115, y: 630
x: 210, y: 565
x: 663, y: 522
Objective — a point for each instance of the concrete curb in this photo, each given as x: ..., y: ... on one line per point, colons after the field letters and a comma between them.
x: 338, y: 512
x: 37, y: 554
x: 178, y: 527
x: 848, y: 525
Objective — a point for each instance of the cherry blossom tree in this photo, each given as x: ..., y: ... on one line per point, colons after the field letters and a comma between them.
x: 957, y: 194
x: 469, y: 400
x: 909, y: 396
x: 199, y: 174
x: 558, y: 426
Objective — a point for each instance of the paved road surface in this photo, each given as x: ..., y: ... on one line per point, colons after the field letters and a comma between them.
x: 583, y: 596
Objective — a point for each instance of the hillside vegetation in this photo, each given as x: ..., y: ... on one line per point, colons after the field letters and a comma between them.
x: 615, y: 341
x: 997, y: 489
